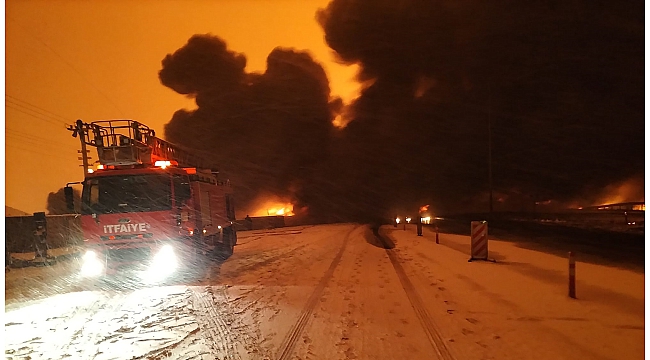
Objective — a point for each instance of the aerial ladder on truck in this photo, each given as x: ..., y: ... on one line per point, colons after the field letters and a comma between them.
x: 131, y: 143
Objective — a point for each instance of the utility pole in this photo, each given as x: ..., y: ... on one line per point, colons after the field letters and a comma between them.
x: 79, y: 130
x: 490, y: 154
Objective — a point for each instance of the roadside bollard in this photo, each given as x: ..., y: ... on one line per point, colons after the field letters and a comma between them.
x: 437, y: 236
x: 572, y: 276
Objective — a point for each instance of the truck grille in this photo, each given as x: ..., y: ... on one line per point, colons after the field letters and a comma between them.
x: 129, y: 254
x: 127, y: 236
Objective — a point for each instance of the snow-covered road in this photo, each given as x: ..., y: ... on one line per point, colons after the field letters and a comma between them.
x: 337, y: 292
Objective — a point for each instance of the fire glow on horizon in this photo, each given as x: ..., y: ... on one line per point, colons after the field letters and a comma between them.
x: 627, y: 191
x: 271, y: 205
x: 631, y: 190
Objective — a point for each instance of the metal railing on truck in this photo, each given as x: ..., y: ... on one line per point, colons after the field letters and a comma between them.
x: 129, y: 142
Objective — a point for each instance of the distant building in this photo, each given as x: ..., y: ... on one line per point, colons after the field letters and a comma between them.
x: 627, y: 206
x: 9, y: 211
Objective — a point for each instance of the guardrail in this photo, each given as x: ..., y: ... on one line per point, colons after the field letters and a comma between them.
x: 62, y: 231
x: 260, y: 223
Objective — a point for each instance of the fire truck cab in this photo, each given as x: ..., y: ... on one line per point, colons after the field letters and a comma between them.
x: 150, y: 204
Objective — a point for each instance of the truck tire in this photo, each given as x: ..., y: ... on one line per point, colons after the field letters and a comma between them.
x: 225, y: 249
x: 231, y: 239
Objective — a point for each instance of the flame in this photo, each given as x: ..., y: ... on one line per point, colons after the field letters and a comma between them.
x: 286, y: 210
x: 424, y: 84
x: 271, y: 205
x: 424, y: 208
x: 338, y: 122
x: 343, y: 115
x: 341, y: 120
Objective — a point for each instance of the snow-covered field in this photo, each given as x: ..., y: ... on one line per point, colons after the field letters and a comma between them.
x: 335, y: 292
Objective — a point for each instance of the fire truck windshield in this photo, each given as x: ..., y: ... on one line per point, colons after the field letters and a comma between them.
x: 126, y: 193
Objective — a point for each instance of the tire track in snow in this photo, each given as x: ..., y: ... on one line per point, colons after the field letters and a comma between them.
x: 258, y: 264
x: 289, y: 342
x: 215, y: 328
x: 430, y: 328
x: 228, y: 334
x: 284, y: 231
x: 253, y: 265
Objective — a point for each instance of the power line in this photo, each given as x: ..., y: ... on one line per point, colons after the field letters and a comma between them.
x: 28, y: 135
x: 67, y: 63
x: 36, y: 140
x: 30, y: 112
x: 44, y: 153
x: 17, y: 101
x: 33, y: 144
x: 15, y: 146
x: 22, y: 138
x: 25, y: 110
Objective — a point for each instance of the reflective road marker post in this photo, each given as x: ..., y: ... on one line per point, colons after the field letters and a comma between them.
x: 572, y: 276
x: 479, y: 241
x: 437, y: 236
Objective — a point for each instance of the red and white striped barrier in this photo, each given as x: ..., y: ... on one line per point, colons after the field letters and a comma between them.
x: 479, y: 244
x: 572, y: 276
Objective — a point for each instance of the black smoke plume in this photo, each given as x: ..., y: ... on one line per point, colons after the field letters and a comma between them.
x: 559, y: 84
x: 269, y: 132
x: 56, y: 204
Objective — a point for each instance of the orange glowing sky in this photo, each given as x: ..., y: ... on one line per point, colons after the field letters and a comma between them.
x: 92, y: 60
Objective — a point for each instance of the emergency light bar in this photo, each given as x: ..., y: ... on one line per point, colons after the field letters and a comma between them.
x: 165, y: 163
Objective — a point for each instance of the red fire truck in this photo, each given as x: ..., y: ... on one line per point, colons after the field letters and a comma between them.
x: 149, y: 203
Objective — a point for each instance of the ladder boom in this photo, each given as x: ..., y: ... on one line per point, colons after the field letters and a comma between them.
x: 128, y: 142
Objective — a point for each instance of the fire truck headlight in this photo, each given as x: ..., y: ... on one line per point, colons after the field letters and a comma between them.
x: 91, y: 265
x: 163, y: 264
x: 165, y: 257
x: 89, y: 255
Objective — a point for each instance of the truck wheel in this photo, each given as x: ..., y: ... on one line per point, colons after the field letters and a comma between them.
x: 225, y: 249
x: 229, y: 240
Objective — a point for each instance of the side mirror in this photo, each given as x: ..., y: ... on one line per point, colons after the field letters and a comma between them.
x: 69, y: 199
